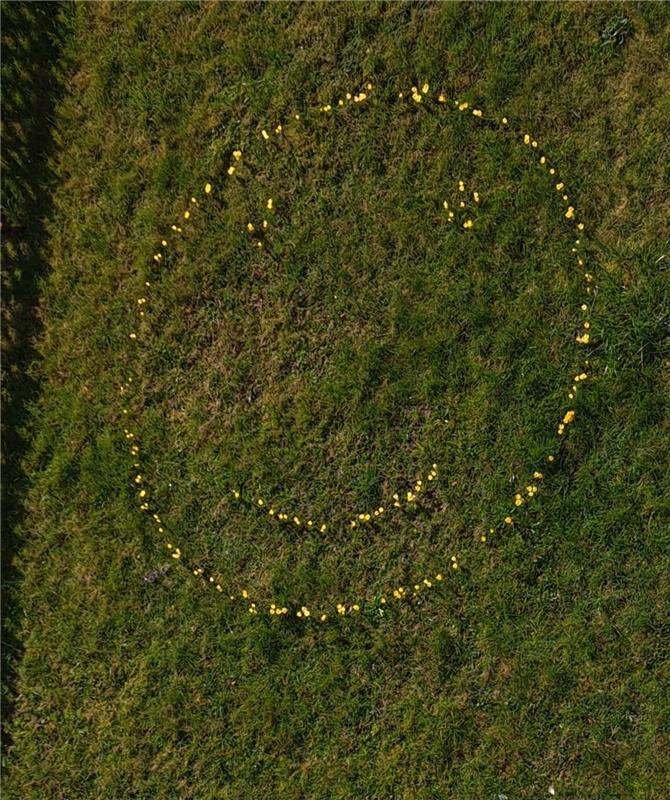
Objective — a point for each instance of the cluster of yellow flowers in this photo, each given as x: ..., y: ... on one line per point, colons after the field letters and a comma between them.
x: 398, y: 593
x: 468, y: 222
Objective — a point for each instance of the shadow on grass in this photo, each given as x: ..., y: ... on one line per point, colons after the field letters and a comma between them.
x: 30, y: 88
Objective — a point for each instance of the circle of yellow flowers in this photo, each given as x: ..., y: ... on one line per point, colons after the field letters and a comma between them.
x: 456, y: 213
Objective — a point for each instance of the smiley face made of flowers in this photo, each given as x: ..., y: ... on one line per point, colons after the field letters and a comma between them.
x: 460, y: 211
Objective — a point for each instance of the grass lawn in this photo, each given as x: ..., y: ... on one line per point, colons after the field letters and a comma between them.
x: 319, y: 364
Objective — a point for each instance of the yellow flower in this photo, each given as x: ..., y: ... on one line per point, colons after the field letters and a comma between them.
x: 270, y: 204
x: 208, y: 189
x: 425, y: 88
x: 476, y: 112
x: 231, y: 170
x: 237, y: 155
x: 265, y: 134
x: 570, y: 213
x: 468, y: 223
x: 508, y: 520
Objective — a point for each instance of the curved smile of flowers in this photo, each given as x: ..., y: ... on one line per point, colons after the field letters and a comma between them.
x: 460, y: 210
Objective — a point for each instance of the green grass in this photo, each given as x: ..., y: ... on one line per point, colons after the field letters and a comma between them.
x: 367, y: 341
